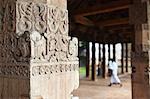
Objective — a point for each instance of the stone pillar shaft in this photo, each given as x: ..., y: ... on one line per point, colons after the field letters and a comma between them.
x: 37, y: 59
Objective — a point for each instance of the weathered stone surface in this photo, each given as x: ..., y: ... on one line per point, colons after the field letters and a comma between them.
x: 38, y: 59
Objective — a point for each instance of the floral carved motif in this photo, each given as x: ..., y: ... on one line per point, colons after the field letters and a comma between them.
x: 57, y: 20
x: 40, y: 17
x: 24, y: 17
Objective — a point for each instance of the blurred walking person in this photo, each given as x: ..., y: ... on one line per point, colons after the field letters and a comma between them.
x: 114, y: 70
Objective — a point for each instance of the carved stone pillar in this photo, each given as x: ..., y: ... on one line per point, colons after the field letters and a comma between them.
x: 38, y: 60
x: 140, y: 49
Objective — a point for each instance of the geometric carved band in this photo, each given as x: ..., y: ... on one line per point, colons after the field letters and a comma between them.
x: 24, y: 71
x: 53, y: 69
x: 14, y: 71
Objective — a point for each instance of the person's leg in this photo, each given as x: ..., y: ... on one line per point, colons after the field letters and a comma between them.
x: 112, y: 80
x: 117, y: 80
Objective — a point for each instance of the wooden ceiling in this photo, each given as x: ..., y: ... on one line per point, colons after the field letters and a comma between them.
x: 105, y: 21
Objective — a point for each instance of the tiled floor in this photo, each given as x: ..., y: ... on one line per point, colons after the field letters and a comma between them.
x: 100, y: 90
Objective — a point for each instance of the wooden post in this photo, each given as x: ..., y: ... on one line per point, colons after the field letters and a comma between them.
x: 114, y: 52
x: 104, y: 62
x: 108, y: 52
x: 100, y: 52
x: 93, y: 62
x: 122, y: 58
x: 79, y: 52
x: 140, y: 18
x: 87, y: 60
x: 126, y: 57
x: 99, y: 64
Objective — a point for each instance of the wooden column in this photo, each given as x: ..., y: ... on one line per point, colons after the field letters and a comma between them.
x: 114, y: 52
x: 104, y: 62
x: 99, y: 66
x: 122, y: 58
x: 140, y: 58
x: 93, y: 62
x: 87, y: 60
x: 100, y: 59
x: 126, y: 57
x: 108, y: 52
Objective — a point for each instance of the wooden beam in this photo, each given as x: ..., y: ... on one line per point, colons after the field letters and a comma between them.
x: 99, y: 39
x: 119, y: 27
x: 113, y: 22
x: 97, y: 9
x: 83, y: 20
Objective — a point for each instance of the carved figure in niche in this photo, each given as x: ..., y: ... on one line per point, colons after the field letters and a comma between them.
x: 9, y: 16
x: 63, y: 45
x: 38, y: 43
x: 73, y: 49
x: 52, y: 42
x: 21, y: 51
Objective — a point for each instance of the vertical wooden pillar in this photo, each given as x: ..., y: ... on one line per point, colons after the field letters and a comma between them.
x: 93, y: 62
x: 79, y: 52
x: 108, y: 52
x: 126, y: 57
x: 99, y: 66
x: 140, y: 18
x: 100, y: 52
x: 114, y: 52
x: 87, y: 60
x: 122, y: 58
x: 104, y: 62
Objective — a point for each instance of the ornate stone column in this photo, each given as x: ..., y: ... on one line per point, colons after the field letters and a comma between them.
x: 37, y: 59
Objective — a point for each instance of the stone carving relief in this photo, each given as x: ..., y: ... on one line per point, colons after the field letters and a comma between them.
x: 15, y: 71
x: 40, y: 16
x: 24, y: 17
x: 53, y: 69
x: 57, y: 48
x: 57, y: 20
x: 38, y: 43
x: 38, y: 34
x: 2, y: 9
x: 15, y: 49
x: 73, y: 49
x: 7, y: 16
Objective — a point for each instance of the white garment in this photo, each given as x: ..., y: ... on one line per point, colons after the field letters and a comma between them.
x: 114, y: 77
x: 110, y: 66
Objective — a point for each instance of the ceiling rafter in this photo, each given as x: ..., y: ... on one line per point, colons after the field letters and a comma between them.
x: 97, y: 9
